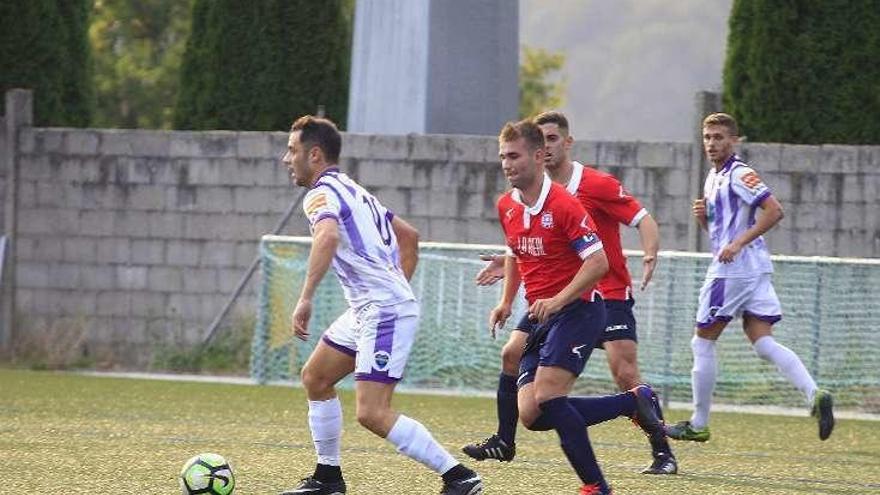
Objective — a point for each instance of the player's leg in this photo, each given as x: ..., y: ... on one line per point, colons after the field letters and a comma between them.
x: 761, y: 312
x: 502, y: 445
x: 385, y: 342
x: 331, y: 360
x: 620, y: 341
x: 719, y: 301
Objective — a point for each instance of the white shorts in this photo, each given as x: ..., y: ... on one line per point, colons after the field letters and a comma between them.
x: 723, y: 299
x: 379, y: 337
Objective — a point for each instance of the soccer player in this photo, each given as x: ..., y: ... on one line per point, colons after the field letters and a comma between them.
x: 609, y: 205
x: 554, y: 250
x: 373, y: 254
x: 738, y: 280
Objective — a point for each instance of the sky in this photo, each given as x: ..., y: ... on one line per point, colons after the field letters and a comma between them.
x: 632, y: 67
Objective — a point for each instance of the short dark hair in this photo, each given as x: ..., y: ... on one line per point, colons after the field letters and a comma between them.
x: 552, y: 117
x: 320, y: 132
x: 523, y: 129
x: 723, y: 119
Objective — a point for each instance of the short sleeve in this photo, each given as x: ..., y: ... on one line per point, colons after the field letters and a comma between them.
x: 580, y: 230
x: 614, y: 200
x: 746, y: 184
x: 320, y: 203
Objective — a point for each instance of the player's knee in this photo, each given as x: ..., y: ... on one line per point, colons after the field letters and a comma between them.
x: 626, y: 377
x: 510, y: 356
x: 372, y: 419
x: 314, y: 381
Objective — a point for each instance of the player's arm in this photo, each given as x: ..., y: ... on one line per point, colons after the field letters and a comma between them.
x: 699, y: 211
x: 649, y: 235
x: 771, y: 214
x: 592, y: 270
x: 408, y: 240
x: 325, y: 240
x: 502, y: 311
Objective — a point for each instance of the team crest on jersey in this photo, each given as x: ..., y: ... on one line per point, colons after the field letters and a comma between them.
x: 381, y: 360
x: 547, y: 220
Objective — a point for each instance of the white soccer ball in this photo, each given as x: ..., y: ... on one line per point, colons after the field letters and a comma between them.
x: 208, y: 474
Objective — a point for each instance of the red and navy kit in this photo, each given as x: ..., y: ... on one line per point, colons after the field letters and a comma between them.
x: 609, y: 205
x: 549, y: 240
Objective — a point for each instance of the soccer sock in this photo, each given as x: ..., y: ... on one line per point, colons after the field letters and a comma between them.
x: 788, y: 363
x: 325, y: 422
x: 508, y: 411
x: 595, y: 410
x: 703, y: 379
x: 569, y: 425
x: 415, y: 441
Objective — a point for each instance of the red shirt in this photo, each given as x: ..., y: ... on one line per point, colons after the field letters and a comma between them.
x: 550, y: 239
x: 609, y: 205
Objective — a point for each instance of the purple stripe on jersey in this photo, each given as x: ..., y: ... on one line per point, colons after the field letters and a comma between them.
x: 727, y: 163
x: 719, y: 223
x: 347, y: 271
x: 339, y: 347
x: 357, y: 243
x: 733, y: 201
x: 771, y: 319
x: 382, y: 347
x: 335, y: 176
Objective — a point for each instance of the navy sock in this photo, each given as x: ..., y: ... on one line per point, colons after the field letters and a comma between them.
x: 569, y: 425
x: 659, y: 446
x: 603, y: 408
x: 508, y: 411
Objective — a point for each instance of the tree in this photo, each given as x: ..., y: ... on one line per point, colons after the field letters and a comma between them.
x: 44, y: 47
x: 804, y: 71
x: 258, y: 65
x: 537, y: 92
x: 138, y: 47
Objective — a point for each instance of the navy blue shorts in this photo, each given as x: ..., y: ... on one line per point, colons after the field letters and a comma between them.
x: 620, y: 323
x: 565, y: 341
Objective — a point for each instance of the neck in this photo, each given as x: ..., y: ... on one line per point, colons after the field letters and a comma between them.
x: 562, y: 173
x: 720, y: 164
x: 319, y: 171
x: 531, y: 192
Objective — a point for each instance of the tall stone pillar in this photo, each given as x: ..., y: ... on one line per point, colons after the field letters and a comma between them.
x: 434, y: 66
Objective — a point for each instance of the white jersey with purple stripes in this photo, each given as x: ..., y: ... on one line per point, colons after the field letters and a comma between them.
x: 367, y: 260
x: 733, y: 195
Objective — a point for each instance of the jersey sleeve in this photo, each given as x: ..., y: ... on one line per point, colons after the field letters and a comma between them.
x: 613, y: 199
x: 580, y: 230
x: 746, y: 184
x: 321, y: 203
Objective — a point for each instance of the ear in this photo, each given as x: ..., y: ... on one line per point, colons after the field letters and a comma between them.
x: 568, y: 141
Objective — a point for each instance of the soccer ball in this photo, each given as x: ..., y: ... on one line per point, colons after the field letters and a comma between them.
x: 208, y: 474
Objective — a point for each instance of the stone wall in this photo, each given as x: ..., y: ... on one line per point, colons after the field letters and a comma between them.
x: 140, y: 236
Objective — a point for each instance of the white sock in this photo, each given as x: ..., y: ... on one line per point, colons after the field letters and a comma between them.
x: 415, y: 441
x: 788, y: 364
x: 325, y: 421
x: 703, y: 379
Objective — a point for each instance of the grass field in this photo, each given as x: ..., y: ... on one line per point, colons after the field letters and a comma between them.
x: 74, y: 434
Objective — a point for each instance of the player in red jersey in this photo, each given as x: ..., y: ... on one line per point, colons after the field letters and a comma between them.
x: 555, y: 251
x: 609, y: 205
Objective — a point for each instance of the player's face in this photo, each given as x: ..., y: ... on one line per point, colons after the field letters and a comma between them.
x: 557, y: 144
x: 718, y: 143
x: 297, y: 162
x: 521, y: 167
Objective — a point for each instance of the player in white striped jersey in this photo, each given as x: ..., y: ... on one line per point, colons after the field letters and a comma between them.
x: 373, y: 254
x: 738, y: 280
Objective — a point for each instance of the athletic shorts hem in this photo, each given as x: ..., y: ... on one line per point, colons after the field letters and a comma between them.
x: 771, y: 319
x: 339, y: 347
x: 711, y: 321
x: 374, y: 377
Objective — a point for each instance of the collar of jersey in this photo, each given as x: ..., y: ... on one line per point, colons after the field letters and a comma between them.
x: 333, y: 170
x: 533, y: 210
x: 729, y: 163
x: 577, y: 172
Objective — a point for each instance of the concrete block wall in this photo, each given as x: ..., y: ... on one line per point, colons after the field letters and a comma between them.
x: 143, y: 234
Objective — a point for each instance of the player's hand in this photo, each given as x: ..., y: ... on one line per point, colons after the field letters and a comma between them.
x: 699, y: 208
x: 649, y: 263
x: 542, y: 309
x: 299, y: 321
x: 497, y: 317
x: 492, y: 272
x: 729, y: 252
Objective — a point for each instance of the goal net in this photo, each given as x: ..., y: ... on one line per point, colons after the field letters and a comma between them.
x: 829, y: 320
